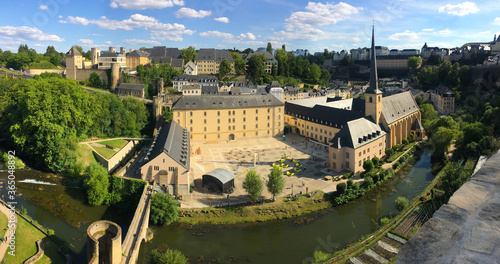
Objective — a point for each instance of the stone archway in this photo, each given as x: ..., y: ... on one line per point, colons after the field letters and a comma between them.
x: 231, y: 136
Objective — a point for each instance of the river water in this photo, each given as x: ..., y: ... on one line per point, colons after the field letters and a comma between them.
x: 287, y: 241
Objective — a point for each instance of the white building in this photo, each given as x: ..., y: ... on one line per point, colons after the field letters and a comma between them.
x: 191, y: 68
x: 340, y: 55
x: 105, y: 59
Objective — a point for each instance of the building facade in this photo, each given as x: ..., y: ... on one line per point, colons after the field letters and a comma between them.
x: 180, y: 81
x: 136, y: 58
x: 270, y: 60
x: 223, y: 117
x: 128, y: 89
x: 209, y: 60
x: 106, y: 59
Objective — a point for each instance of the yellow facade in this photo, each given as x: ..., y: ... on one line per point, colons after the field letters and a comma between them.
x: 373, y: 106
x: 320, y: 132
x: 231, y: 123
x: 134, y: 61
x: 400, y: 128
x: 352, y: 159
x: 211, y: 66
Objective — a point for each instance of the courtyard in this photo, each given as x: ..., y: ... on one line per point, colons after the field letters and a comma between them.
x: 237, y: 157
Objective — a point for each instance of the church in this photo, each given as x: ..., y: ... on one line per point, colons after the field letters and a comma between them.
x: 355, y: 129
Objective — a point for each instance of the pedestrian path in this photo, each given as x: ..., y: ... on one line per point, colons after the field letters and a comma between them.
x: 3, y: 245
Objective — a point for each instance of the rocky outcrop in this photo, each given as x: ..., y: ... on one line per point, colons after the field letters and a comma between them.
x: 467, y: 229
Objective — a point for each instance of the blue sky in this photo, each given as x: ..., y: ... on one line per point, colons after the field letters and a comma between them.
x: 245, y: 23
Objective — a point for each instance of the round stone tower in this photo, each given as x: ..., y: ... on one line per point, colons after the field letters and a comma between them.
x: 104, y: 243
x: 115, y: 75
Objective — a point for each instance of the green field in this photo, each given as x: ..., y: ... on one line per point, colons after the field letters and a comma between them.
x: 106, y: 153
x: 3, y: 223
x: 115, y: 143
x: 85, y: 155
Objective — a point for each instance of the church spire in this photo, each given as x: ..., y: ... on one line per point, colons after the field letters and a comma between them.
x: 373, y: 89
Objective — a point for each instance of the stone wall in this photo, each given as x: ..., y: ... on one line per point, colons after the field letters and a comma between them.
x: 94, y: 232
x: 114, y: 162
x: 466, y: 229
x: 39, y: 71
x: 38, y: 254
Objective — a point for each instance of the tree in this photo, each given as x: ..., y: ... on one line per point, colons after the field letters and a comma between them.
x: 315, y: 73
x: 368, y: 165
x: 164, y: 209
x: 401, y: 203
x: 341, y: 187
x: 414, y: 62
x: 442, y: 139
x: 224, y: 68
x: 95, y: 80
x: 473, y: 133
x: 239, y: 63
x: 274, y: 70
x: 368, y: 181
x: 269, y: 48
x: 405, y: 141
x: 96, y: 183
x: 276, y: 182
x: 325, y: 77
x: 189, y: 54
x: 167, y: 114
x: 253, y: 185
x: 376, y: 161
x: 171, y: 256
x: 389, y: 152
x: 256, y: 67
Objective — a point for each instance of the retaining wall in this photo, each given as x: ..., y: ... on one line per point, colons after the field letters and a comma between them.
x: 114, y: 162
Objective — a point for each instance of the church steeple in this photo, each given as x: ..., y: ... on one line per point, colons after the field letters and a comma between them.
x: 373, y: 96
x: 373, y: 89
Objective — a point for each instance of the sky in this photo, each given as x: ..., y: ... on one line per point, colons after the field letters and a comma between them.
x: 242, y: 24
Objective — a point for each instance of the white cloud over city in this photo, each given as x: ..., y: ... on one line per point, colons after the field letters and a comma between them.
x: 462, y: 9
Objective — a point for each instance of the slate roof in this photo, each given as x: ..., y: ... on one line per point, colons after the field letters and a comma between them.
x: 225, y: 101
x: 357, y: 133
x: 355, y: 104
x: 107, y: 54
x: 322, y: 114
x: 173, y: 140
x: 130, y: 86
x: 266, y: 54
x: 138, y: 53
x: 209, y: 90
x: 222, y: 175
x: 162, y: 51
x: 398, y: 106
x: 195, y: 78
x: 213, y: 54
x: 73, y: 52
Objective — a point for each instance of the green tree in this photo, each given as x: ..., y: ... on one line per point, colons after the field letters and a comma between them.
x: 95, y: 80
x: 442, y: 139
x: 401, y: 203
x: 167, y: 114
x: 51, y: 51
x: 189, y: 54
x: 239, y: 63
x: 325, y: 77
x: 414, y: 62
x: 376, y: 161
x: 315, y: 73
x: 256, y: 67
x: 224, y: 68
x: 282, y: 58
x: 253, y: 185
x: 341, y: 187
x: 368, y: 181
x: 171, y: 256
x: 164, y: 209
x: 473, y: 133
x: 96, y: 183
x: 274, y: 70
x: 368, y: 165
x: 276, y: 182
x: 269, y: 48
x: 389, y: 152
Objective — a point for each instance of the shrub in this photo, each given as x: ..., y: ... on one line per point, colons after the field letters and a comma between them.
x: 355, y: 186
x: 389, y: 152
x: 405, y: 141
x: 396, y: 147
x: 401, y: 203
x: 369, y: 175
x: 376, y: 161
x: 164, y: 209
x: 171, y: 256
x: 385, y: 220
x: 368, y: 182
x: 341, y: 187
x: 395, y: 165
x: 347, y: 175
x: 350, y: 182
x: 368, y: 165
x: 376, y: 177
x: 190, y: 189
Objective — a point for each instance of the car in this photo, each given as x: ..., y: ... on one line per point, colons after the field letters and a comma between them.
x: 10, y: 69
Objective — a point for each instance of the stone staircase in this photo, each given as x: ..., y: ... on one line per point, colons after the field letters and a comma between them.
x: 382, y: 252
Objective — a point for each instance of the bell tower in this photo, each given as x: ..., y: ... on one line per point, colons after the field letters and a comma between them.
x: 373, y: 96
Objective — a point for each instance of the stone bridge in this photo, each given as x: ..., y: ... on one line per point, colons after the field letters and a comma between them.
x: 138, y: 228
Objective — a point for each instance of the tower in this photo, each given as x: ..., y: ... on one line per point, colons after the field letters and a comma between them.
x: 373, y: 96
x: 73, y: 62
x: 95, y: 56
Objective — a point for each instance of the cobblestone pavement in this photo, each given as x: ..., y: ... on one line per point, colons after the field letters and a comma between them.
x: 237, y: 157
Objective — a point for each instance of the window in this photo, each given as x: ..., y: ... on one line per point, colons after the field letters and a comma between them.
x: 229, y: 112
x: 364, y: 151
x: 218, y: 135
x: 347, y: 164
x: 244, y: 119
x: 380, y: 152
x: 205, y: 129
x: 360, y: 153
x: 218, y: 113
x: 178, y: 121
x: 368, y: 150
x: 178, y: 114
x: 191, y: 130
x: 256, y: 118
x: 218, y: 128
x: 233, y: 120
x: 191, y: 121
x: 233, y: 127
x: 347, y: 155
x: 244, y: 126
x: 268, y: 110
x: 267, y: 124
x: 156, y: 168
x: 256, y: 111
x: 256, y: 133
x: 359, y: 163
x: 268, y: 132
x: 233, y: 112
x: 218, y: 121
x: 371, y: 99
x: 321, y: 131
x: 205, y: 121
x: 268, y: 117
x: 244, y: 112
x: 334, y: 165
x: 205, y: 113
x: 204, y: 136
x: 244, y: 134
x: 320, y: 137
x: 229, y: 120
x: 256, y: 126
x: 229, y: 128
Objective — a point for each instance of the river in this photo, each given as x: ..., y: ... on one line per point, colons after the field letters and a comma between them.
x: 287, y: 241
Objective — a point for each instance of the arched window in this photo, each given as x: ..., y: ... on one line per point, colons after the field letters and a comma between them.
x: 371, y: 99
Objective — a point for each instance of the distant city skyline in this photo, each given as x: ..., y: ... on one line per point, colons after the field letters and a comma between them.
x: 227, y: 24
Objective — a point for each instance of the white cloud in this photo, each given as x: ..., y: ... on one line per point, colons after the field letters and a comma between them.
x: 248, y: 35
x: 86, y: 41
x: 357, y: 39
x: 222, y: 19
x: 145, y: 4
x: 191, y: 13
x: 462, y: 9
x: 309, y: 34
x: 444, y: 32
x: 216, y: 34
x: 43, y: 7
x: 427, y: 29
x: 141, y: 42
x: 496, y: 21
x: 27, y: 34
x: 59, y: 16
x: 109, y: 43
x: 159, y: 30
x: 406, y: 35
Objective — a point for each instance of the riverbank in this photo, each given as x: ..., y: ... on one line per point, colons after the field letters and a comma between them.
x: 281, y: 209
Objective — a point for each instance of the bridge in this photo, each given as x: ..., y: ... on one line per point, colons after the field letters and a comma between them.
x: 138, y: 228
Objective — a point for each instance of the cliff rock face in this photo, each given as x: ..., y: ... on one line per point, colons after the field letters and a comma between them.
x: 467, y: 229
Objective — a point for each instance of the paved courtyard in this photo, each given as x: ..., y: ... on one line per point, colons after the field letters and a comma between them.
x: 237, y: 157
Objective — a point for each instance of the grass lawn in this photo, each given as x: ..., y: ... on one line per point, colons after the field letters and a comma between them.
x: 85, y: 155
x: 115, y: 143
x: 3, y: 223
x: 5, y: 70
x: 26, y: 237
x: 106, y: 153
x: 281, y: 209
